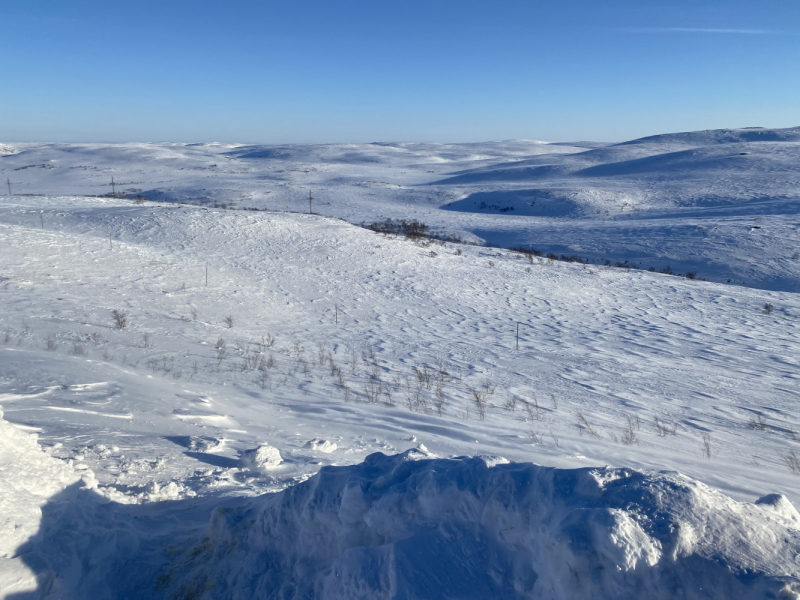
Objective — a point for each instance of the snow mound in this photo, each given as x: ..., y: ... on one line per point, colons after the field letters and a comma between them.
x: 397, y: 528
x: 263, y: 457
x: 28, y: 477
x: 321, y: 445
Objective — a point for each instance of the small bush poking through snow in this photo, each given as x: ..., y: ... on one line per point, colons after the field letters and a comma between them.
x: 120, y: 319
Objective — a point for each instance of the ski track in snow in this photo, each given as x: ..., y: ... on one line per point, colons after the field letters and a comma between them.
x: 157, y: 411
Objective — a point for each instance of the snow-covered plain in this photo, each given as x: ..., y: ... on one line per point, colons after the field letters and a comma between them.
x: 316, y: 343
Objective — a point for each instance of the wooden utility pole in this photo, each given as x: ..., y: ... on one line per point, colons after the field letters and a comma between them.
x: 41, y: 217
x: 113, y: 187
x: 8, y: 181
x: 309, y: 201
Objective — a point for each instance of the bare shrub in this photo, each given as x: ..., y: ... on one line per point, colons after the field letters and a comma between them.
x: 533, y: 437
x: 167, y: 363
x: 424, y: 376
x: 108, y: 355
x: 265, y: 381
x: 511, y: 404
x: 50, y: 345
x: 303, y: 365
x: 768, y: 308
x: 334, y: 370
x: 77, y: 350
x: 372, y: 390
x: 531, y: 408
x: 94, y: 337
x: 458, y: 252
x: 439, y: 399
x: 583, y: 424
x: 413, y: 392
x: 629, y: 433
x: 369, y: 357
x: 120, y: 319
x: 706, y: 448
x: 193, y: 314
x: 758, y: 422
x: 793, y: 462
x: 229, y: 322
x: 663, y: 428
x: 145, y: 341
x: 480, y: 397
x: 221, y: 342
x: 491, y: 263
x: 353, y: 361
x: 555, y: 439
x: 322, y: 354
x: 222, y: 354
x: 268, y: 363
x: 268, y: 341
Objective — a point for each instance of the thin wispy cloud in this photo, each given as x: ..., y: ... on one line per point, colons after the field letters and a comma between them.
x: 701, y: 30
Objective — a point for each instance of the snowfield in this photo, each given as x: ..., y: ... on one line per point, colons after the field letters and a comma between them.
x: 285, y: 404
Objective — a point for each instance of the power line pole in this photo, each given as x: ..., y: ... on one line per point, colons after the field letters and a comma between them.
x: 8, y: 181
x: 113, y: 187
x: 309, y: 201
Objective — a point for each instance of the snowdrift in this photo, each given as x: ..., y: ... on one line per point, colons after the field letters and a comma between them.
x: 395, y: 527
x: 402, y: 526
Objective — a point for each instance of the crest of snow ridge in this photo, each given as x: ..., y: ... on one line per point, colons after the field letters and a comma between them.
x: 401, y: 527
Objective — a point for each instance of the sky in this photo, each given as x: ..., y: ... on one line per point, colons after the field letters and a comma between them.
x: 384, y: 70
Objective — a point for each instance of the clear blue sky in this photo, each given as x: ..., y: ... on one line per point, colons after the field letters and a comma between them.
x: 381, y: 70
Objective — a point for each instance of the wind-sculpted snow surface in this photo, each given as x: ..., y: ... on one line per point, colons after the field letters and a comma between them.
x: 396, y: 527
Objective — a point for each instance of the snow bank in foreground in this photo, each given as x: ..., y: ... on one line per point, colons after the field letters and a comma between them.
x: 404, y: 526
x: 398, y: 528
x: 28, y: 478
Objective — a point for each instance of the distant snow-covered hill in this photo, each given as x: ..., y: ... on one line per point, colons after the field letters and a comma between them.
x: 724, y: 204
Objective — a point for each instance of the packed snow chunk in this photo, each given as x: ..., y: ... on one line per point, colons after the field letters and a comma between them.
x: 205, y: 444
x: 263, y: 457
x: 321, y: 445
x: 459, y: 528
x: 419, y: 453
